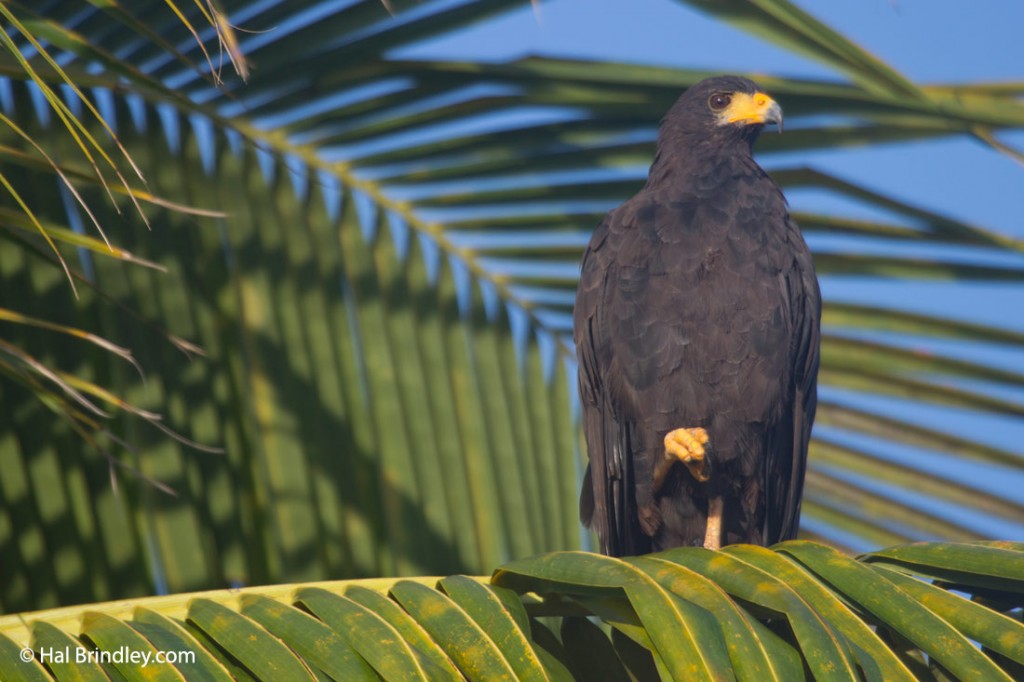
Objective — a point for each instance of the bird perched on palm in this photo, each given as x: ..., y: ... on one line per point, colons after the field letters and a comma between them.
x: 697, y: 332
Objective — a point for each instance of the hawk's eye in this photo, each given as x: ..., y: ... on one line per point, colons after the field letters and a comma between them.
x: 718, y: 101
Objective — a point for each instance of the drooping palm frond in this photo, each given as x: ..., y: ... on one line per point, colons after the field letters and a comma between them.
x: 748, y: 613
x: 30, y: 40
x: 385, y: 303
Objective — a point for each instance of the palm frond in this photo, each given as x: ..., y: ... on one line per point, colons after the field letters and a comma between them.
x: 747, y: 612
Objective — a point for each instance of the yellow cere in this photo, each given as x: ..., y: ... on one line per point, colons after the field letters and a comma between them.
x: 747, y: 108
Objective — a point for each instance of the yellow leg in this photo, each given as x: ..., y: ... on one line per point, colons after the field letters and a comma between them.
x: 713, y: 535
x: 687, y: 446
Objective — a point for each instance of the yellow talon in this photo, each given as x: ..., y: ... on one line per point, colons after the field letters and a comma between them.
x: 687, y: 446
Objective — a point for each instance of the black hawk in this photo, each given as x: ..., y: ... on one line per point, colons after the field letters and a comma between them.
x: 697, y: 332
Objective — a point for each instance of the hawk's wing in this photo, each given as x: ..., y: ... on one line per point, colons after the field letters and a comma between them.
x: 785, y: 466
x: 609, y: 493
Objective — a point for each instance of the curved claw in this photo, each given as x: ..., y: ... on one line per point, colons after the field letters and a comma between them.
x: 686, y: 445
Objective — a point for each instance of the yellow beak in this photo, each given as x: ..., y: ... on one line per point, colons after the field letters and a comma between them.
x: 754, y: 109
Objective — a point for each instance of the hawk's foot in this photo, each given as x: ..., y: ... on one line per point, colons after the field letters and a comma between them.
x: 687, y: 445
x: 684, y: 445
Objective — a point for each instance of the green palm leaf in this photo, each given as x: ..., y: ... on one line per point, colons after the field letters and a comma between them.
x: 691, y: 613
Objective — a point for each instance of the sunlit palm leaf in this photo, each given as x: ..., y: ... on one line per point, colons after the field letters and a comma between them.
x: 688, y: 614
